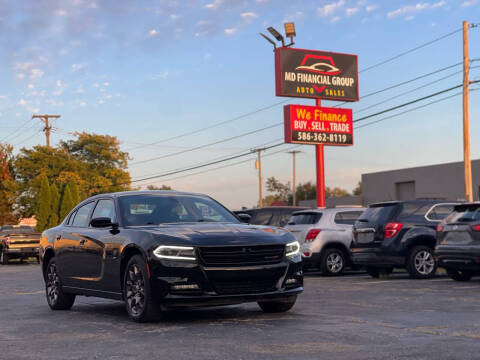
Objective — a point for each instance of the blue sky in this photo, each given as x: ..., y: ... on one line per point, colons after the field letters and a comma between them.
x: 149, y: 70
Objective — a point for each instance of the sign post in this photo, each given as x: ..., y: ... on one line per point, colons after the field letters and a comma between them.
x: 318, y: 75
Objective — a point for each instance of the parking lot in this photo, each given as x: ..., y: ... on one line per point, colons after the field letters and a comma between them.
x: 349, y: 317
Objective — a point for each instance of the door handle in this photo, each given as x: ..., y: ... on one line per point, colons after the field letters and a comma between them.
x: 82, y: 242
x: 58, y: 237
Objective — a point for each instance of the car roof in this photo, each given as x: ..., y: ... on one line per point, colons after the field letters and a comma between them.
x: 329, y: 210
x: 420, y: 201
x: 146, y: 192
x: 270, y: 208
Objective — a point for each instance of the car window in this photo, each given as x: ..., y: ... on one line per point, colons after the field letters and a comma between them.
x: 70, y: 219
x: 305, y: 218
x: 261, y: 217
x: 464, y: 214
x: 105, y: 208
x: 81, y: 218
x: 377, y: 214
x: 347, y: 217
x: 439, y: 212
x: 140, y: 210
x: 414, y: 212
x: 280, y: 218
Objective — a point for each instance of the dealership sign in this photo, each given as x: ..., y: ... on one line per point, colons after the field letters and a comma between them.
x: 318, y: 125
x: 316, y: 74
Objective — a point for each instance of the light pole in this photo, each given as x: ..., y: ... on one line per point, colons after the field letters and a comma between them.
x: 294, y: 186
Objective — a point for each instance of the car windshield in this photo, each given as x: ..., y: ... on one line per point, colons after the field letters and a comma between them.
x: 464, y: 214
x: 150, y: 209
x: 305, y: 218
x: 377, y: 214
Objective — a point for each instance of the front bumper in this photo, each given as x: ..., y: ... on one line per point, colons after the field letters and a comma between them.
x: 375, y: 257
x: 223, y: 285
x: 458, y: 260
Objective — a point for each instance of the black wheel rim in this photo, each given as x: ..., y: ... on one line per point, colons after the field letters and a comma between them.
x: 53, y: 284
x: 135, y: 290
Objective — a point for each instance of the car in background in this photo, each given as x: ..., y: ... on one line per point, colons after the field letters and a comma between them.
x: 18, y: 242
x: 458, y: 242
x: 160, y: 249
x: 325, y: 236
x: 270, y: 215
x: 399, y: 234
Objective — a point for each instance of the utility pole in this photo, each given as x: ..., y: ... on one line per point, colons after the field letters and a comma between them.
x: 466, y: 124
x: 258, y: 165
x: 48, y: 127
x: 294, y: 186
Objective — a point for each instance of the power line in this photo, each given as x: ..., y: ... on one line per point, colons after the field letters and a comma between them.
x: 411, y: 50
x: 15, y: 131
x: 211, y: 126
x: 206, y: 145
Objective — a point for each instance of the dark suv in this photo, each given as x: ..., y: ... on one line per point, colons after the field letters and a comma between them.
x: 458, y: 249
x: 399, y: 234
x: 270, y: 215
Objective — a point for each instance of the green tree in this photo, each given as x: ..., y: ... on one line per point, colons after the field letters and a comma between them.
x: 66, y: 203
x: 335, y: 192
x: 281, y: 192
x: 43, y: 203
x: 74, y: 192
x: 54, y: 206
x: 358, y: 190
x: 8, y: 215
x: 306, y: 191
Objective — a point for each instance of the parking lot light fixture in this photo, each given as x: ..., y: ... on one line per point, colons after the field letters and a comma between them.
x: 290, y: 32
x: 276, y: 35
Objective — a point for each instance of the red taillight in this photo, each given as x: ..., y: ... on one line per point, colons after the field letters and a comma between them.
x: 391, y: 229
x: 7, y: 241
x: 475, y: 227
x: 312, y: 234
x: 439, y: 228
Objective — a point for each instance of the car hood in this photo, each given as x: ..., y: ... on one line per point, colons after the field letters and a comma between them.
x: 217, y: 234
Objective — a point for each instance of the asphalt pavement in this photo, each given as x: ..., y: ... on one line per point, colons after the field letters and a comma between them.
x: 348, y: 317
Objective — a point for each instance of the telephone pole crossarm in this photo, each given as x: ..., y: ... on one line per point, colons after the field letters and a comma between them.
x: 45, y: 118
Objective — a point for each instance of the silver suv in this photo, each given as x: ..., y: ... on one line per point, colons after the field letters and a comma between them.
x: 325, y: 236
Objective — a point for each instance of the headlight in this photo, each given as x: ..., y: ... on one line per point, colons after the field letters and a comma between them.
x: 292, y: 249
x: 175, y: 252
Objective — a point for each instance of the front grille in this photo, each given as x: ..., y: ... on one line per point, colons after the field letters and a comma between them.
x: 241, y: 255
x: 244, y: 286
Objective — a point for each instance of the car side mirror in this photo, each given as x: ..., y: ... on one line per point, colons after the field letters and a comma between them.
x: 102, y: 222
x: 244, y: 217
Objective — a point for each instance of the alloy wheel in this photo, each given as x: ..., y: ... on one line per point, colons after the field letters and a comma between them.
x: 135, y: 290
x: 53, y: 284
x: 334, y: 262
x: 424, y: 262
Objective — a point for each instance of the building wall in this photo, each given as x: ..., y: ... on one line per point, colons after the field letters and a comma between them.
x: 334, y: 201
x: 443, y: 181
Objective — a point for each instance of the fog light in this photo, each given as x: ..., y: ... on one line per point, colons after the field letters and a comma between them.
x: 290, y: 281
x: 185, y: 287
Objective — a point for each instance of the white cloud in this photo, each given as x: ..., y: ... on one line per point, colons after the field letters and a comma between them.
x: 163, y: 75
x: 2, y: 97
x: 61, y: 12
x: 409, y: 18
x: 36, y: 74
x: 370, y: 8
x: 214, y: 5
x: 21, y: 76
x: 79, y: 90
x: 96, y: 85
x: 106, y: 83
x: 468, y: 3
x: 174, y: 17
x: 329, y: 9
x: 83, y: 104
x: 153, y: 32
x: 335, y: 19
x: 415, y: 8
x: 31, y: 86
x: 63, y: 52
x: 351, y: 11
x: 248, y: 16
x: 22, y: 102
x: 77, y: 67
x: 58, y: 83
x: 230, y: 31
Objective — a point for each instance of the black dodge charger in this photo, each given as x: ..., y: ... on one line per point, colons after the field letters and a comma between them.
x: 161, y: 249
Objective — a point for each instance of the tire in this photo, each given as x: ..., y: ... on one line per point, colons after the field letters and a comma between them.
x: 137, y: 292
x: 421, y: 263
x: 377, y: 272
x: 333, y: 262
x: 56, y: 298
x: 459, y: 275
x: 4, y: 258
x: 278, y: 305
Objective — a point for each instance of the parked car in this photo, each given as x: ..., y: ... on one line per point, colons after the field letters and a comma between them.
x: 399, y: 234
x: 458, y: 239
x: 325, y: 236
x: 156, y: 249
x: 270, y: 215
x: 18, y: 242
